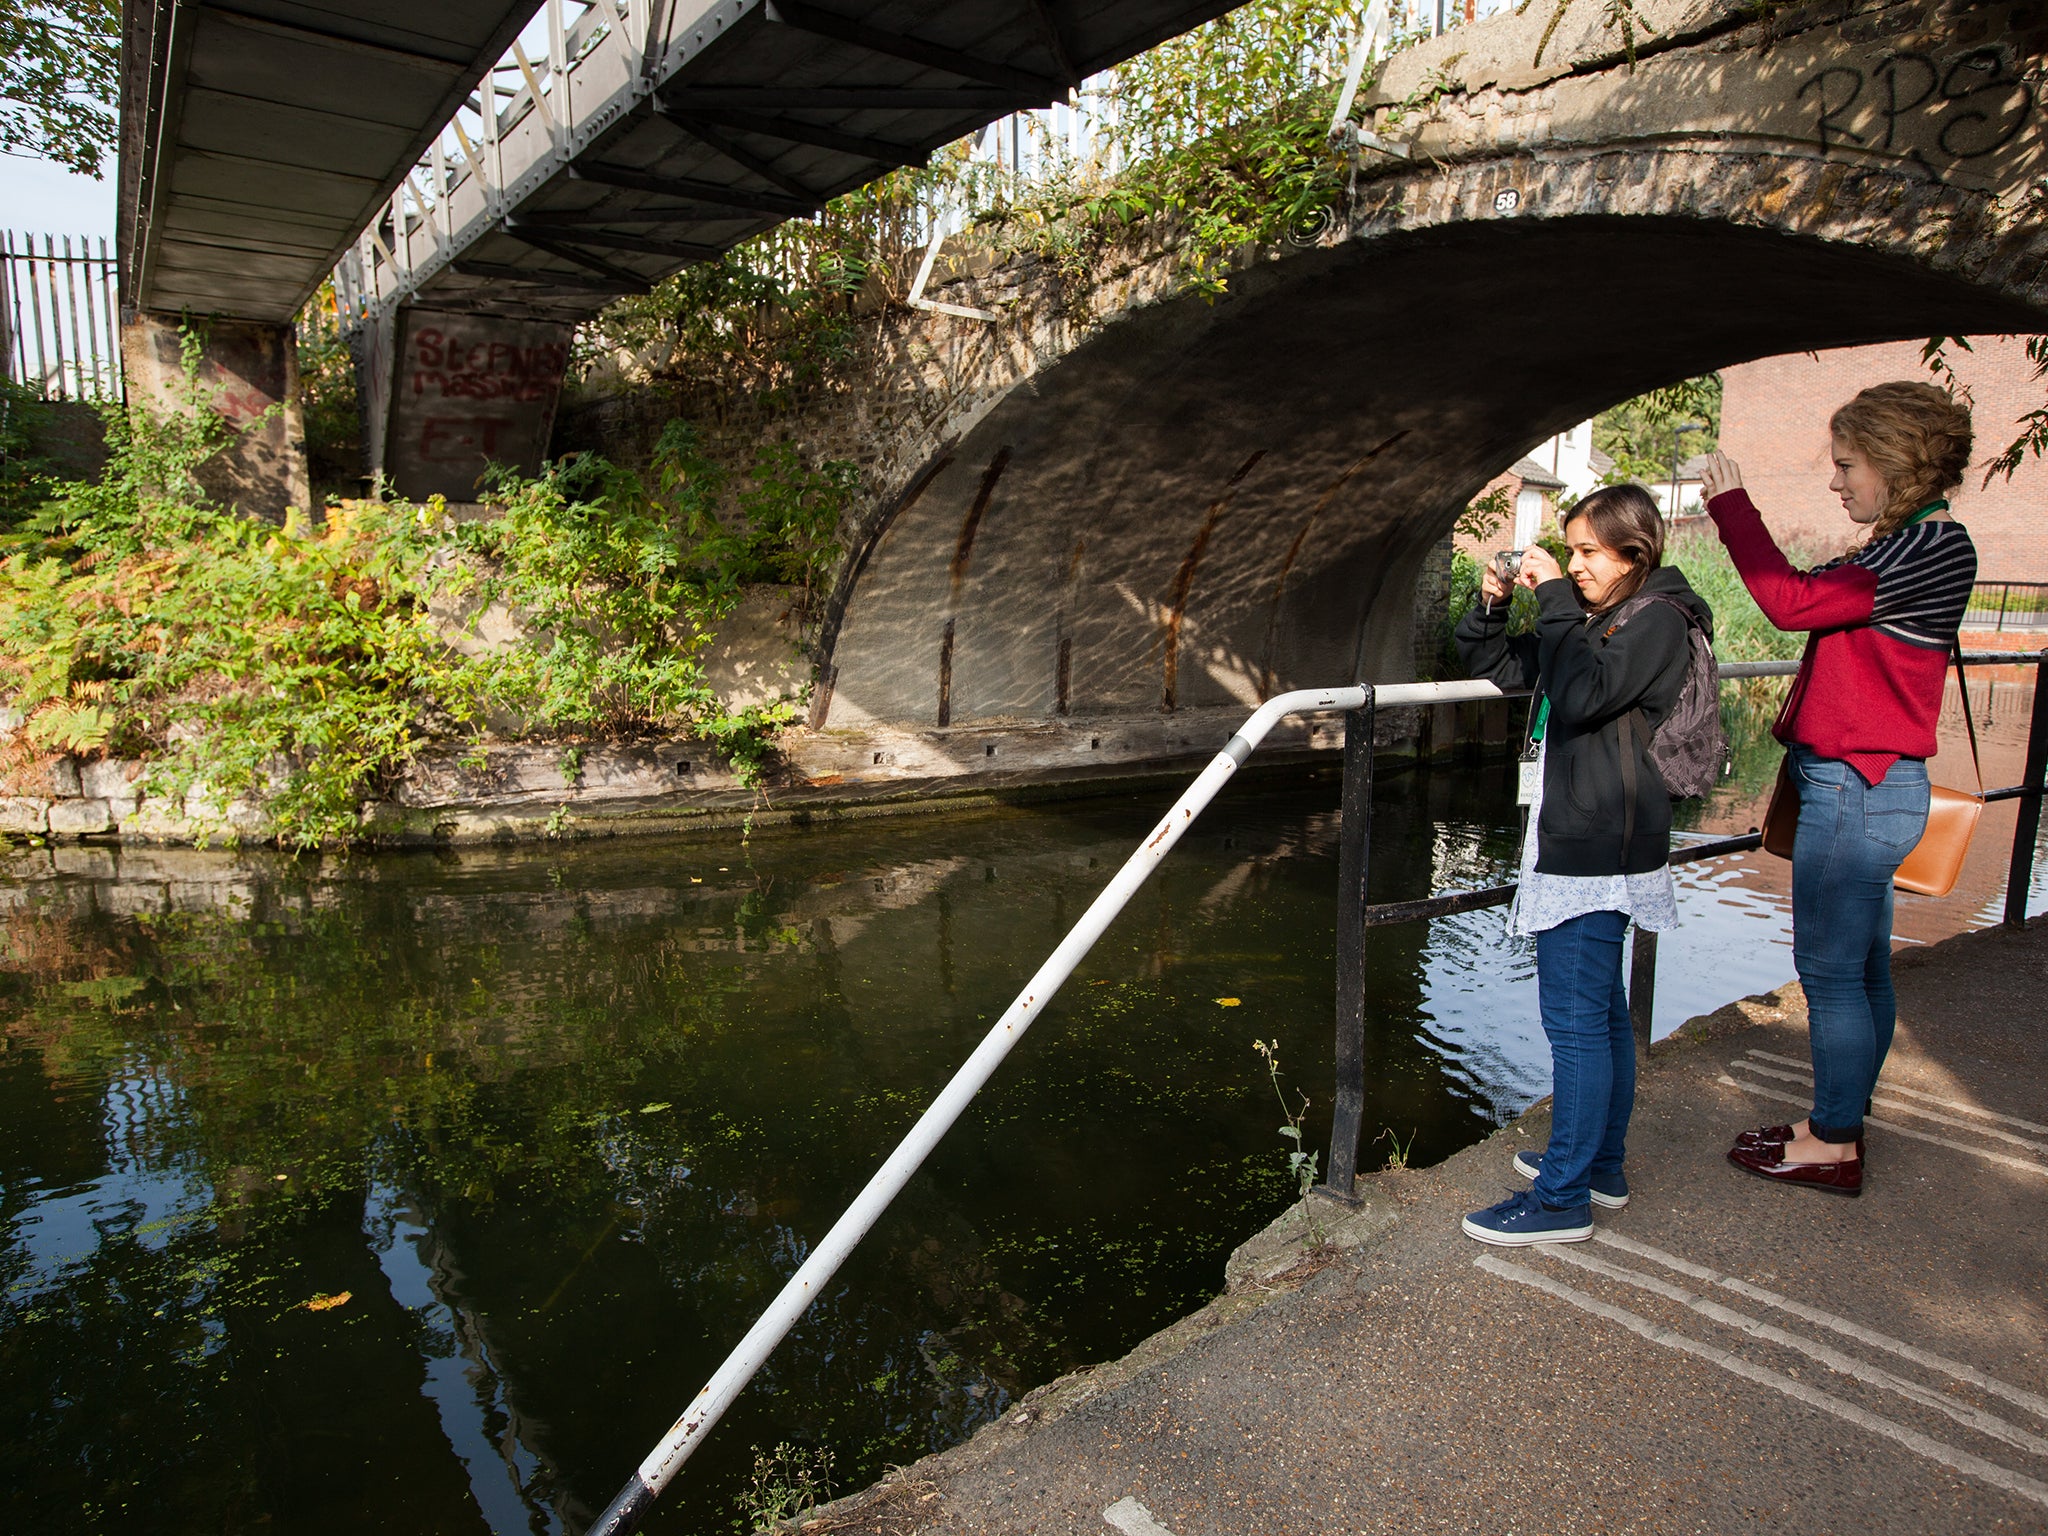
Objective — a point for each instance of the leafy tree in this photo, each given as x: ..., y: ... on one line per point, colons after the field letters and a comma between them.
x: 327, y: 396
x: 59, y: 70
x: 2032, y: 441
x: 1637, y: 434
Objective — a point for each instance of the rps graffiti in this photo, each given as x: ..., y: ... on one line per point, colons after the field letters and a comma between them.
x: 1923, y: 108
x: 452, y: 367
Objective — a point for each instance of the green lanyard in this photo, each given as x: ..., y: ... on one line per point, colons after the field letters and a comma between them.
x: 1542, y: 719
x: 1924, y: 513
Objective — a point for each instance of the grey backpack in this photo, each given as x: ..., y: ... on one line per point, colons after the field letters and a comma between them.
x: 1689, y: 750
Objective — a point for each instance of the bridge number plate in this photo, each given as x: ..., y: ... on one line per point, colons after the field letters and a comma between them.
x: 1507, y: 202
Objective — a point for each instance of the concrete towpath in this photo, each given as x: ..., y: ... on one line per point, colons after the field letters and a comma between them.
x: 1724, y: 1356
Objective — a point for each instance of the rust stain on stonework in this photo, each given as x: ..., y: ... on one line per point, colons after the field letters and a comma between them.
x: 946, y: 675
x: 1184, y: 580
x: 1063, y: 665
x: 842, y: 592
x: 963, y: 547
x: 1294, y: 553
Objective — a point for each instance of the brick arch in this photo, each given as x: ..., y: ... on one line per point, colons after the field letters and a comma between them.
x: 1198, y: 504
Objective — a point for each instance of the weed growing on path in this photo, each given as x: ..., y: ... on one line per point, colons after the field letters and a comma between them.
x: 1398, y: 1157
x: 1304, y: 1165
x: 788, y: 1483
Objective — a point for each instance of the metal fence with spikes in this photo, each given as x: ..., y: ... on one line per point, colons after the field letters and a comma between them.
x: 59, y: 316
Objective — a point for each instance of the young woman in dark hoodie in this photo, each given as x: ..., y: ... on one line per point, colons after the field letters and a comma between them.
x: 1599, y: 836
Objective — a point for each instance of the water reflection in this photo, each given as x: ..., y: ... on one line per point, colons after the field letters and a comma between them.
x: 558, y: 1123
x: 507, y: 1477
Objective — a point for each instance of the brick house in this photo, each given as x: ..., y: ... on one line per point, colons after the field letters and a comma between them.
x: 1774, y: 424
x: 1565, y: 464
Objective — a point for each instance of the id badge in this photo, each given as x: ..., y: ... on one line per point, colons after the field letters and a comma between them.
x: 1530, y: 779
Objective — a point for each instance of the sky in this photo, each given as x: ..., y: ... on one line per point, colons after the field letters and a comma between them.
x: 36, y: 195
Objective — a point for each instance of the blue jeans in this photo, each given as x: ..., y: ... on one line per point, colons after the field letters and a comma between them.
x: 1852, y: 838
x: 1592, y: 1053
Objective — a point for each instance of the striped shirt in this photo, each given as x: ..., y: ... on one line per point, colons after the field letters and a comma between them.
x: 1924, y: 576
x: 1881, y: 621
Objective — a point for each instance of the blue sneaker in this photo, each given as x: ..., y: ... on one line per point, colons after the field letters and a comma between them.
x: 1523, y: 1219
x: 1610, y: 1190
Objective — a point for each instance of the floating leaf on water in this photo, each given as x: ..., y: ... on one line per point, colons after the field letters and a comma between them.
x: 329, y: 1303
x: 1229, y: 1002
x: 655, y: 1109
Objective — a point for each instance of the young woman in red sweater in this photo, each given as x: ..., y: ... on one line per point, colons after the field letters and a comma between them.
x: 1858, y: 728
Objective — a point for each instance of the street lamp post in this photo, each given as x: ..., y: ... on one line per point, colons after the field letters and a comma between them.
x: 1678, y: 430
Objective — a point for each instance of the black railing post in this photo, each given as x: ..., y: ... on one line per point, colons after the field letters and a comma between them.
x: 2019, y: 876
x: 1642, y: 988
x: 1354, y: 864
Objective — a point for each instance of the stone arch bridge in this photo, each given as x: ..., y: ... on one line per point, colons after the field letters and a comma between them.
x: 1117, y: 529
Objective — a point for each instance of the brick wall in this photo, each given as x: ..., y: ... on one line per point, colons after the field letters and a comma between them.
x: 1502, y: 532
x: 1774, y: 423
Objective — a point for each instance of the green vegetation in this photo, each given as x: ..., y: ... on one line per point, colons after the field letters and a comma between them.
x: 59, y: 75
x: 327, y: 401
x: 305, y: 664
x: 1221, y: 132
x: 788, y: 1483
x: 1741, y: 632
x: 1216, y: 136
x: 1302, y: 1164
x: 2032, y: 441
x: 1641, y: 435
x: 24, y: 473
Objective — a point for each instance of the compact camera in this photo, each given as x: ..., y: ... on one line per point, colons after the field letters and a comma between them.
x: 1507, y: 565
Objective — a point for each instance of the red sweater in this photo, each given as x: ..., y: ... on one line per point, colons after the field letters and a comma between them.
x: 1869, y: 687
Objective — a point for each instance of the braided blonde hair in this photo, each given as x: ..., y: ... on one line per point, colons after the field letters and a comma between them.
x: 1916, y: 436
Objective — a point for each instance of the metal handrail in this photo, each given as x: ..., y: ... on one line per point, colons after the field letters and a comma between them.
x: 1359, y: 704
x: 2033, y: 614
x: 662, y: 1463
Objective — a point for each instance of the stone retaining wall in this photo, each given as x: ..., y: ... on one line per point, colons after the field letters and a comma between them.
x: 521, y: 790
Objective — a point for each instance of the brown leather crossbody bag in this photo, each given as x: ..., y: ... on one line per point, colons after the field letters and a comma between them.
x: 1936, y: 861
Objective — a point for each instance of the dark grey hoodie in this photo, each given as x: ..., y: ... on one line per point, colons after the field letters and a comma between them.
x: 1593, y: 671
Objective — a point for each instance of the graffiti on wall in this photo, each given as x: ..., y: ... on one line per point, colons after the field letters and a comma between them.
x: 480, y: 394
x: 1937, y: 112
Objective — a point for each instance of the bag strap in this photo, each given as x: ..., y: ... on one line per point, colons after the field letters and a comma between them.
x: 1625, y: 733
x: 1632, y: 720
x: 1969, y: 721
x: 1642, y: 600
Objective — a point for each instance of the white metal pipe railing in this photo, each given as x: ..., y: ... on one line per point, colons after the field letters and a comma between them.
x: 666, y: 1459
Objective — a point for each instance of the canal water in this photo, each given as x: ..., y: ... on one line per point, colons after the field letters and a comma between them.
x: 418, y: 1193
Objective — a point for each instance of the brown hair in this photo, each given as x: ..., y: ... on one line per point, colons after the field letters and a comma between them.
x: 1625, y: 519
x: 1915, y: 436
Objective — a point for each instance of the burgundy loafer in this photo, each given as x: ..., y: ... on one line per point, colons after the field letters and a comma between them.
x: 1765, y: 1136
x: 1776, y: 1136
x: 1769, y: 1163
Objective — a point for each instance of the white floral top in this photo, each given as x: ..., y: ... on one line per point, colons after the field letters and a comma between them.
x: 1542, y: 901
